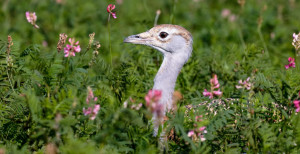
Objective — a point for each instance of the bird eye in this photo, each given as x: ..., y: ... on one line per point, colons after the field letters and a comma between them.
x: 163, y: 34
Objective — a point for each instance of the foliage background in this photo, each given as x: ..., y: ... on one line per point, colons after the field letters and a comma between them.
x: 43, y: 93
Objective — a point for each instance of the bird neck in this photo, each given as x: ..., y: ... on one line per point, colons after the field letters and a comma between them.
x: 166, y: 77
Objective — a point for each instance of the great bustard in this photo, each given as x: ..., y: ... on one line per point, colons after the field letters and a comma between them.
x: 175, y: 43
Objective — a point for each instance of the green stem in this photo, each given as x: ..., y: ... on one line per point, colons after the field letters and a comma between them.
x: 263, y: 40
x: 242, y: 39
x: 239, y: 24
x: 12, y: 87
x: 297, y: 60
x: 173, y: 10
x: 109, y: 41
x: 156, y: 19
x: 64, y: 72
x: 146, y: 8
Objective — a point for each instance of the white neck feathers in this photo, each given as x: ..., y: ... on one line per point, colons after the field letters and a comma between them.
x: 167, y: 74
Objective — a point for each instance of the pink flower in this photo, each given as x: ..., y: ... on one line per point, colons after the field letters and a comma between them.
x: 71, y: 48
x: 136, y: 106
x: 297, y: 105
x: 153, y: 96
x: 291, y: 63
x: 31, y: 18
x: 91, y: 111
x: 232, y: 18
x: 198, y: 118
x: 202, y: 138
x: 88, y: 111
x: 109, y: 9
x: 152, y: 103
x: 225, y: 13
x: 95, y: 111
x: 90, y: 95
x: 207, y: 94
x: 217, y: 93
x: 195, y: 133
x: 295, y: 36
x: 202, y: 128
x: 59, y: 1
x: 214, y: 84
x: 139, y: 106
x: 296, y: 41
x: 190, y: 133
x: 119, y: 2
x: 45, y: 43
x: 244, y: 84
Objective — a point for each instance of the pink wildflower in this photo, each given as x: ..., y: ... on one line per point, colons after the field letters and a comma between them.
x: 95, y: 111
x: 291, y: 63
x: 119, y: 2
x: 214, y: 84
x: 153, y: 96
x: 109, y: 9
x: 244, y: 84
x: 297, y: 105
x: 207, y: 94
x: 90, y: 95
x: 295, y: 36
x: 91, y: 111
x: 136, y: 106
x: 202, y: 128
x: 217, y: 93
x: 190, y: 133
x: 225, y: 13
x: 45, y: 43
x: 88, y: 111
x: 202, y: 138
x: 296, y: 41
x: 198, y: 133
x: 59, y: 1
x: 232, y: 18
x: 139, y: 106
x: 31, y: 18
x: 198, y: 118
x: 152, y: 103
x: 71, y: 48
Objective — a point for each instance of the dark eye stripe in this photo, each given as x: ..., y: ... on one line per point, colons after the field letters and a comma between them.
x: 163, y: 34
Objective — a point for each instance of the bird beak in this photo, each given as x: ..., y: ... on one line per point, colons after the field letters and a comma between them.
x: 142, y: 38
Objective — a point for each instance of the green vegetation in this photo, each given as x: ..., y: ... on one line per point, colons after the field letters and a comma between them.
x: 43, y: 93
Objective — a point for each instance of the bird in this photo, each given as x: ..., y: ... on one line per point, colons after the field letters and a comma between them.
x: 176, y: 45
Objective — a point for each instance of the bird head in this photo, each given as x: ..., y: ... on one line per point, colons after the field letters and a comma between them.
x: 166, y: 38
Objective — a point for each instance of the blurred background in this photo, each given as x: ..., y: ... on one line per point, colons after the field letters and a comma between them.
x: 268, y: 24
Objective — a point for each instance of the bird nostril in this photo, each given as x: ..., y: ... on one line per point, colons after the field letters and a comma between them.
x: 136, y: 36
